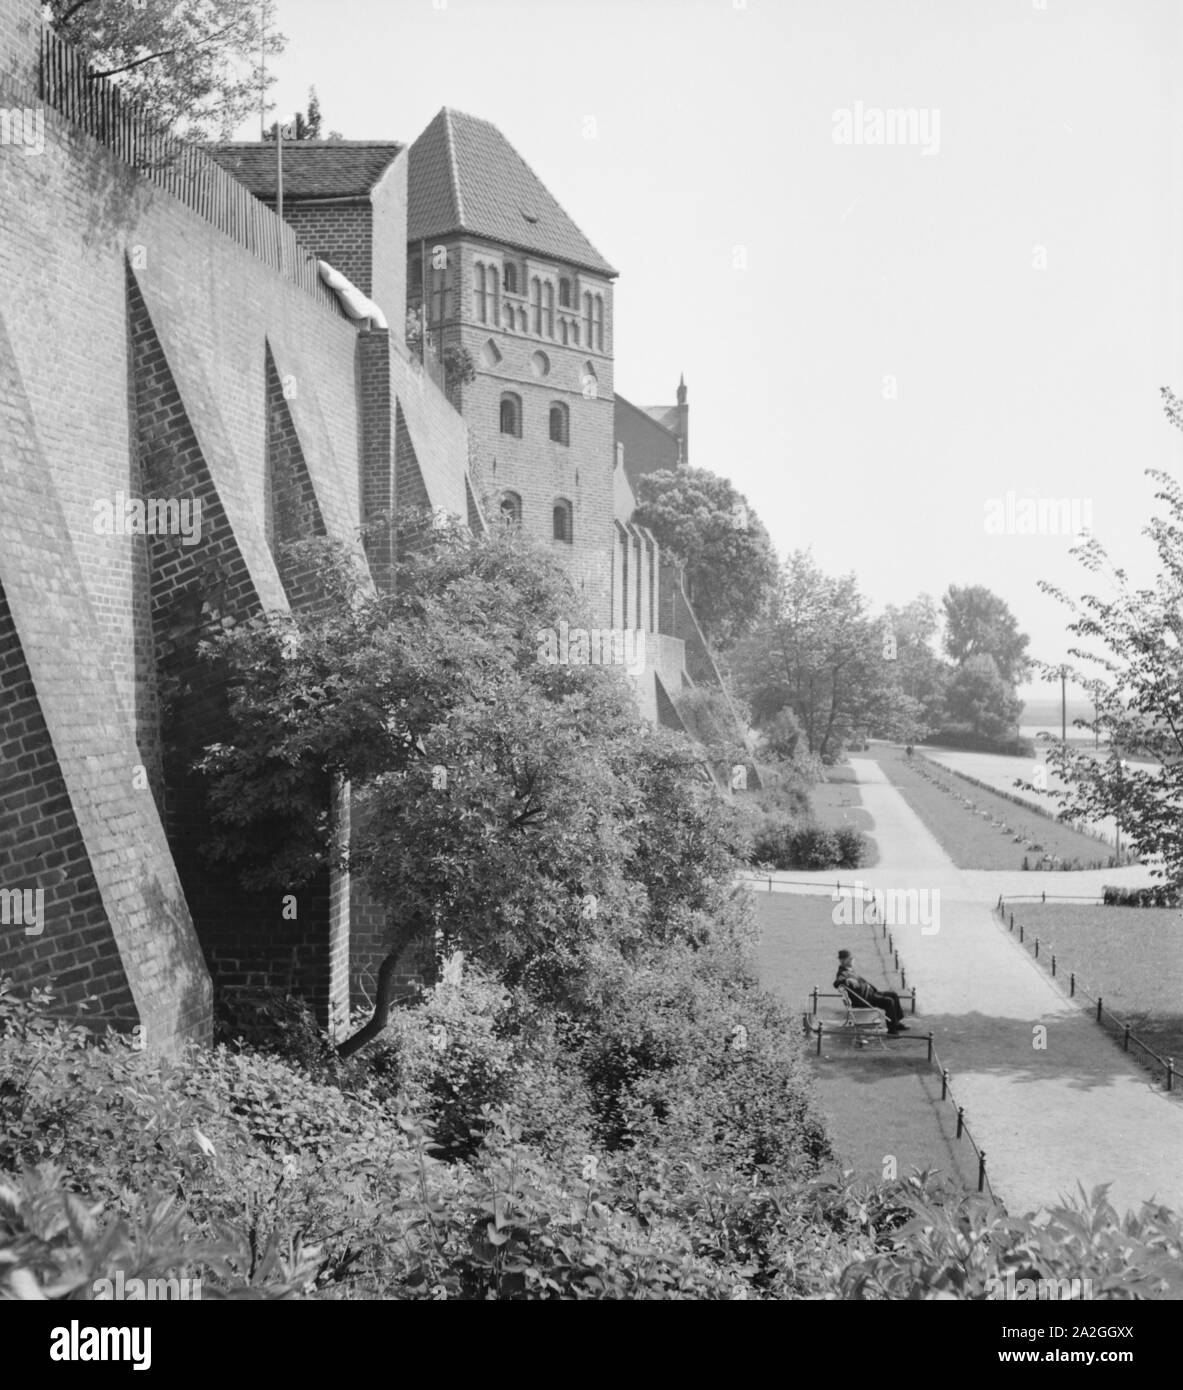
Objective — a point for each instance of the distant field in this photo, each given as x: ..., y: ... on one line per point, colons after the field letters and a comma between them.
x: 982, y: 835
x: 1130, y: 956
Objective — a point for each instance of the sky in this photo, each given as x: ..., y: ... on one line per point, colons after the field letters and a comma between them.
x: 885, y: 329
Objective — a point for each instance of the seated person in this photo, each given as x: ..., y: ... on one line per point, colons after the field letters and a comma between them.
x: 863, y: 994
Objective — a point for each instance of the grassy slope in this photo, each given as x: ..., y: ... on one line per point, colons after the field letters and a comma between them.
x: 877, y: 1102
x: 836, y: 802
x: 966, y: 832
x: 1130, y: 956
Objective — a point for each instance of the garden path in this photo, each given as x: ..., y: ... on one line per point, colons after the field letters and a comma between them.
x: 1076, y: 1110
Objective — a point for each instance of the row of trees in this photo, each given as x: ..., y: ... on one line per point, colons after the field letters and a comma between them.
x: 804, y: 648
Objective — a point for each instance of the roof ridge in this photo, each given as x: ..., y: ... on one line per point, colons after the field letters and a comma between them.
x: 534, y: 175
x: 452, y: 169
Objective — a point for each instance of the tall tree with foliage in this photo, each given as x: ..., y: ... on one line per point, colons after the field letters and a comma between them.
x: 819, y: 653
x: 707, y: 525
x: 919, y: 672
x: 979, y: 623
x: 1129, y: 657
x: 196, y: 67
x: 514, y: 807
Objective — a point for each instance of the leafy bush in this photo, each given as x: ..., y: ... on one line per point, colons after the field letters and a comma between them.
x: 1156, y: 895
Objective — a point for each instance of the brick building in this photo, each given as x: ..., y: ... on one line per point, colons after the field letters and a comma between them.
x: 165, y: 335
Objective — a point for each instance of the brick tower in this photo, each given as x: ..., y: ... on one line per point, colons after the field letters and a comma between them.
x: 497, y: 267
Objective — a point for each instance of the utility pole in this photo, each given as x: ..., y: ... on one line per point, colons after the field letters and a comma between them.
x: 1063, y: 704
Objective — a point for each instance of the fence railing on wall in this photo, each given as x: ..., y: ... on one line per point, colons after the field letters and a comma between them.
x: 96, y: 106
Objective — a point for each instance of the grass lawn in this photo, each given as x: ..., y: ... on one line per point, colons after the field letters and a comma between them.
x: 837, y: 802
x: 879, y: 1103
x: 1129, y: 955
x: 989, y: 832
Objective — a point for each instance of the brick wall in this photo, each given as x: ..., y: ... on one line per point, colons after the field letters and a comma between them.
x: 339, y: 231
x: 141, y: 350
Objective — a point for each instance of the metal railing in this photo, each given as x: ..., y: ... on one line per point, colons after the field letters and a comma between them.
x: 96, y: 106
x: 1051, y: 961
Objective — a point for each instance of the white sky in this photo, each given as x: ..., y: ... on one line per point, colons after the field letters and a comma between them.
x: 713, y: 130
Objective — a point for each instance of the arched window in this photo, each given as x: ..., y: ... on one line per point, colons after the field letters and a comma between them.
x: 560, y: 423
x: 564, y: 293
x: 599, y: 323
x: 493, y: 295
x: 510, y: 280
x: 522, y: 318
x: 587, y: 317
x: 575, y: 331
x: 550, y: 310
x: 478, y: 293
x: 511, y: 508
x: 562, y: 521
x: 511, y: 414
x: 563, y: 332
x: 536, y: 304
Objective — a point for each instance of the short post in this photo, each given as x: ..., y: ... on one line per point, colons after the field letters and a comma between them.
x: 1098, y: 1008
x: 890, y: 942
x: 1053, y: 965
x: 896, y: 954
x: 944, y: 1083
x: 981, y: 1170
x: 1125, y: 1038
x: 1012, y: 921
x: 1020, y: 932
x: 813, y: 996
x: 913, y: 1010
x: 1072, y: 984
x: 930, y: 1047
x: 1043, y: 896
x: 960, y: 1120
x: 903, y: 979
x: 1037, y: 948
x: 819, y: 1040
x: 1170, y: 1073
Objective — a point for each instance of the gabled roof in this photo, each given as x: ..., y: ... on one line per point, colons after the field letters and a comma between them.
x: 311, y: 168
x: 465, y: 176
x: 665, y: 415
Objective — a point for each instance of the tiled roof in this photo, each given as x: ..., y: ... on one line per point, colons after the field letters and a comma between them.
x: 311, y: 168
x: 665, y: 415
x: 465, y: 176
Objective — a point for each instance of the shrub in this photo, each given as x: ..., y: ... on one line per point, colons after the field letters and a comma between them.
x: 852, y: 847
x: 1155, y: 895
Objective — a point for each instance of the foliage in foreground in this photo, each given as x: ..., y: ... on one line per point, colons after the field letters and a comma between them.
x: 633, y: 1163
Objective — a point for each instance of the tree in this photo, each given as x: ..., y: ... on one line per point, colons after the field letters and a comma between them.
x: 978, y: 622
x: 705, y: 524
x: 196, y: 67
x: 979, y: 699
x: 514, y: 807
x: 1131, y: 664
x: 819, y: 653
x: 303, y: 127
x: 919, y: 673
